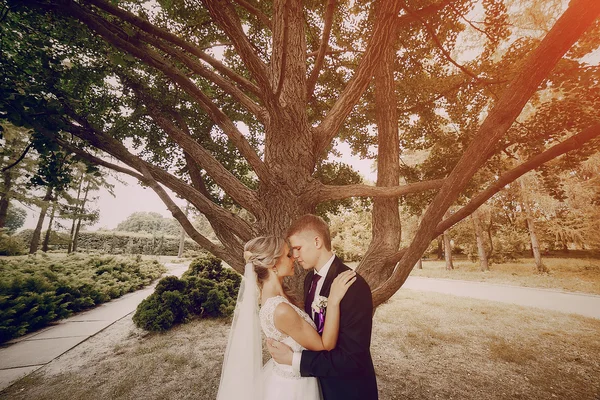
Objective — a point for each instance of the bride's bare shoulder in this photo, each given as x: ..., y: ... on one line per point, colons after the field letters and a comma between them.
x: 284, y: 315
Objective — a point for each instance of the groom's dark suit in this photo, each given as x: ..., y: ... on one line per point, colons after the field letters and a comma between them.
x: 346, y: 372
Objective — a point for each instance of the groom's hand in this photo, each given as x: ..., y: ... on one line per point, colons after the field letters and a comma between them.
x: 281, y: 353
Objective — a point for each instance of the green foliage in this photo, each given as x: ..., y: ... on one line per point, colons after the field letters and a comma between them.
x: 15, y: 218
x: 351, y: 231
x: 11, y: 245
x: 334, y: 173
x: 113, y: 242
x: 206, y: 290
x: 149, y: 222
x: 35, y: 291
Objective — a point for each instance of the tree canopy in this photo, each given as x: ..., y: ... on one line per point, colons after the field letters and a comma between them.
x: 236, y: 105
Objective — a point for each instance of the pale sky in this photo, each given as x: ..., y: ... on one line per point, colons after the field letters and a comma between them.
x: 133, y: 197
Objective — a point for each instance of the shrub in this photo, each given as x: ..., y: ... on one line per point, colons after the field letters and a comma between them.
x: 206, y: 290
x: 35, y: 291
x: 11, y: 245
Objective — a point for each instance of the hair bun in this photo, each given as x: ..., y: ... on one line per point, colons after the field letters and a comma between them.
x: 247, y: 255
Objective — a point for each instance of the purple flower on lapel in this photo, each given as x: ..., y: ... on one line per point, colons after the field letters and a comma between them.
x: 319, y: 306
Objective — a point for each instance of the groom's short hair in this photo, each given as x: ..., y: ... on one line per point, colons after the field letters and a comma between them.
x: 310, y: 222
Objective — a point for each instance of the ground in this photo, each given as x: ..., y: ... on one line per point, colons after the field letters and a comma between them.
x: 425, y: 346
x: 568, y: 274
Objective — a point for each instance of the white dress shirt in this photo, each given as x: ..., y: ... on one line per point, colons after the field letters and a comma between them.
x: 323, y: 273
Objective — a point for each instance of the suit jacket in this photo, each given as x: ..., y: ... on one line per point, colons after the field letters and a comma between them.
x: 346, y: 372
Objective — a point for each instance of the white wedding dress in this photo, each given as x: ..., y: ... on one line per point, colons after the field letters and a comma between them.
x: 279, y: 381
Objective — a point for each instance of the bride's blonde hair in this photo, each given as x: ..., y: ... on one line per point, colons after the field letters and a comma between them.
x: 263, y: 252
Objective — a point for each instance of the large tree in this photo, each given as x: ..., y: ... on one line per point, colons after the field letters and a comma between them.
x: 236, y: 105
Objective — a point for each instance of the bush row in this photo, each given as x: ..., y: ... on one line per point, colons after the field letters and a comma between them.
x: 113, y: 242
x: 206, y: 290
x: 36, y: 290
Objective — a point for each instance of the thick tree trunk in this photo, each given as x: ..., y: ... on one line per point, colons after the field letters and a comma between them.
x: 483, y: 260
x: 5, y: 199
x: 448, y: 251
x: 35, y: 239
x: 285, y: 176
x: 46, y: 241
x: 376, y: 266
x: 533, y: 70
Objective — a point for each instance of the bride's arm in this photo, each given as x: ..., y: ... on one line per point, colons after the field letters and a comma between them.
x: 288, y: 321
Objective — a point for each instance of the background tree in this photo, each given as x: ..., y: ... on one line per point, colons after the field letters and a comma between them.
x: 54, y: 175
x: 250, y: 128
x: 90, y: 179
x: 17, y: 165
x: 15, y: 218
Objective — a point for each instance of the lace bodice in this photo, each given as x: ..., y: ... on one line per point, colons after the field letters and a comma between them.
x: 270, y: 331
x: 268, y: 325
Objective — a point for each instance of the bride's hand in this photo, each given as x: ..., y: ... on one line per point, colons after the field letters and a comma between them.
x: 340, y: 286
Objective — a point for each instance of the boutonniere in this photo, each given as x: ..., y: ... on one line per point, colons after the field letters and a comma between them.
x: 319, y: 304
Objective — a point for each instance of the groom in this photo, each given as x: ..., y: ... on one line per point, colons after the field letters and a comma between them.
x: 346, y: 372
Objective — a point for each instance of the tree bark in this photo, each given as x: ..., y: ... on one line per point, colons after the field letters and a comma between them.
x: 440, y: 247
x: 292, y: 145
x: 46, y: 241
x: 448, y: 251
x: 76, y: 211
x: 182, y: 238
x: 386, y: 229
x: 5, y: 199
x: 535, y: 245
x: 80, y: 218
x: 483, y: 260
x: 35, y: 239
x: 578, y: 18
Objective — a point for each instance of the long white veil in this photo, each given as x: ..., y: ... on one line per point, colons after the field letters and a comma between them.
x: 241, y: 376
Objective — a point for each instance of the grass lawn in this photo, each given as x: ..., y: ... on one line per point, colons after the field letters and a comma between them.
x: 425, y: 346
x: 569, y: 274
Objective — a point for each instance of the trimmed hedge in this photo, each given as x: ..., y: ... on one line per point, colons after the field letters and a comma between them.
x: 206, y: 290
x: 114, y: 242
x: 35, y: 291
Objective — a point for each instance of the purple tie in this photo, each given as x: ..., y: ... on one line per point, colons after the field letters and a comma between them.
x: 311, y: 293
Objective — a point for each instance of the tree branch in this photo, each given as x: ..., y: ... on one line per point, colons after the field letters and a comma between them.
x: 18, y: 160
x: 148, y: 27
x: 204, y: 72
x: 115, y: 148
x: 244, y: 196
x: 255, y: 11
x: 471, y: 24
x: 534, y: 69
x: 155, y: 60
x: 184, y: 221
x: 149, y: 180
x: 574, y: 142
x: 284, y: 52
x: 225, y: 16
x: 314, y: 74
x: 330, y: 192
x: 383, y: 34
x: 447, y: 54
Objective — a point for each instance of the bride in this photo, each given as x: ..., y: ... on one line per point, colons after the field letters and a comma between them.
x: 268, y: 261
